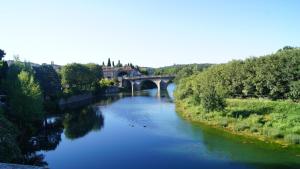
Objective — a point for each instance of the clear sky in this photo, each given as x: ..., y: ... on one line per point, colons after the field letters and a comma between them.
x: 146, y: 32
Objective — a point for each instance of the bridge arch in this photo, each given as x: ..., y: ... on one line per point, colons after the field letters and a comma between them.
x: 122, y: 73
x: 148, y: 84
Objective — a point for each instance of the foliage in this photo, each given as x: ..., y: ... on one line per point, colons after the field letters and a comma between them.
x: 274, y: 120
x: 77, y: 78
x: 181, y: 71
x: 104, y: 83
x: 274, y: 77
x: 108, y: 63
x: 2, y: 54
x: 294, y: 93
x: 25, y: 97
x: 119, y: 64
x: 3, y: 69
x: 48, y: 80
x: 9, y: 149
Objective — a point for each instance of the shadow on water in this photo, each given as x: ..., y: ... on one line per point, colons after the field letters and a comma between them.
x: 246, y: 151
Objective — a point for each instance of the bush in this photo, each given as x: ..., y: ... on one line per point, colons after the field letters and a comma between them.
x: 223, y: 122
x: 211, y: 100
x: 273, y: 133
x: 293, y: 138
x: 104, y: 83
x: 241, y: 126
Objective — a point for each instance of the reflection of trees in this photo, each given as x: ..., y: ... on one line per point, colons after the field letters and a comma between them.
x: 80, y: 122
x: 46, y: 138
x: 256, y: 154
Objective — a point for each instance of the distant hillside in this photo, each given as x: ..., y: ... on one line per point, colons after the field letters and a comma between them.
x: 181, y: 70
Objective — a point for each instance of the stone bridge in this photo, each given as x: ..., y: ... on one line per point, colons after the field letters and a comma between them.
x: 136, y: 82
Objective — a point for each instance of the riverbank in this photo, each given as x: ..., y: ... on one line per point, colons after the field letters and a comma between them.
x: 18, y: 166
x: 266, y: 120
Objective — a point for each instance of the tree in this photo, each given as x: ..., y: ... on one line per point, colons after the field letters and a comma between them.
x: 2, y: 54
x: 103, y: 63
x: 108, y: 63
x: 48, y: 80
x: 294, y: 93
x: 211, y: 100
x: 77, y: 78
x: 25, y: 97
x: 119, y: 64
x: 113, y: 63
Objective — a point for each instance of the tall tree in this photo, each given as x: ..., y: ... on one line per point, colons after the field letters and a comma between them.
x: 25, y: 96
x: 113, y: 63
x: 119, y: 64
x: 2, y: 54
x: 108, y: 63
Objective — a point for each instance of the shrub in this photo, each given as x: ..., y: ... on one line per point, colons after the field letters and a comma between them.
x: 293, y: 138
x: 241, y: 126
x: 211, y: 100
x: 273, y: 133
x: 223, y: 122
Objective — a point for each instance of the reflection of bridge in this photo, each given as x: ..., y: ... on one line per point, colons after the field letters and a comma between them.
x: 136, y: 82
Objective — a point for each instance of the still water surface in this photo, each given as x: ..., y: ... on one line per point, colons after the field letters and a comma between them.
x: 144, y: 131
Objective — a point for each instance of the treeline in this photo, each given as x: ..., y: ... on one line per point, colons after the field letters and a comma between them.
x: 275, y: 76
x: 118, y: 64
x: 256, y: 97
x: 23, y: 110
x: 29, y: 92
x: 181, y: 71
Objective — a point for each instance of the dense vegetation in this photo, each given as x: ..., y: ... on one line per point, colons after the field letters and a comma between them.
x: 181, y: 71
x: 23, y: 110
x: 28, y: 92
x: 78, y: 78
x: 274, y: 78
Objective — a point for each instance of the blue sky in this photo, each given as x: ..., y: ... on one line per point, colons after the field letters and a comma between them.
x: 146, y: 32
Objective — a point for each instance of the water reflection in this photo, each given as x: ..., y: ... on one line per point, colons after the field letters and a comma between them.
x: 78, y: 123
x: 45, y: 139
x: 246, y: 151
x: 142, y: 129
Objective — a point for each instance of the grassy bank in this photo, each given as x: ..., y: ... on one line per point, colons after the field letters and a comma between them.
x: 277, y: 121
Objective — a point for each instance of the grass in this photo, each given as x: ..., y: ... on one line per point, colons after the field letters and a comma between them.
x: 277, y: 121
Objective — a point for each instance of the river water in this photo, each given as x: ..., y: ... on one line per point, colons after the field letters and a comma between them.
x: 144, y: 131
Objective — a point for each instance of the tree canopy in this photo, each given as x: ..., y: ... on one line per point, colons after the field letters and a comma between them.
x: 274, y: 76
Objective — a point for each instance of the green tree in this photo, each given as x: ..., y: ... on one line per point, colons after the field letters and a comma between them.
x: 25, y: 97
x: 119, y: 64
x: 108, y: 63
x: 2, y: 54
x: 77, y: 78
x: 294, y: 93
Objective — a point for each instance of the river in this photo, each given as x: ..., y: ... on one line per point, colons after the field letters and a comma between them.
x: 144, y: 131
